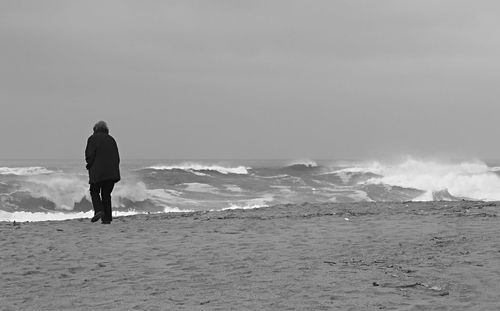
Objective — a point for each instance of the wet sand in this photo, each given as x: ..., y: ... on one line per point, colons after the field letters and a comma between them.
x: 364, y: 256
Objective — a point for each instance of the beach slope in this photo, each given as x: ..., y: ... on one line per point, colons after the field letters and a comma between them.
x: 362, y: 256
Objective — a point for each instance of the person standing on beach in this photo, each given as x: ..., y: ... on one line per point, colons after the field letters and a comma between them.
x: 103, y: 164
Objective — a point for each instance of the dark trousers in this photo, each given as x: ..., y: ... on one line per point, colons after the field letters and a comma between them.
x: 100, y: 193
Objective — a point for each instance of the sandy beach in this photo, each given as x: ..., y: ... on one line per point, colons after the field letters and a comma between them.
x: 363, y: 256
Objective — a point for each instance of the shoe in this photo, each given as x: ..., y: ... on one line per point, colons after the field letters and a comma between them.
x: 105, y: 222
x: 96, y: 217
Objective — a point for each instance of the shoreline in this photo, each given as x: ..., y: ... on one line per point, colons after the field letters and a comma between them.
x: 118, y: 214
x: 360, y: 256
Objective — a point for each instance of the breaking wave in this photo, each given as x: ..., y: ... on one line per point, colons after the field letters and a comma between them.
x: 196, y: 167
x: 472, y: 180
x: 303, y: 162
x: 63, y: 190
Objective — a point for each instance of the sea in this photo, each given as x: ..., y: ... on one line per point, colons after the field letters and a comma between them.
x: 40, y: 190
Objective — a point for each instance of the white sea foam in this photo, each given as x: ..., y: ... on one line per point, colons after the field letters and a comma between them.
x: 38, y: 216
x: 196, y: 167
x: 63, y: 190
x: 472, y: 179
x: 243, y: 206
x: 250, y: 204
x: 24, y: 171
x: 129, y: 191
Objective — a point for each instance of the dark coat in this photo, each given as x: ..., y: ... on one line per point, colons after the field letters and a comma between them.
x: 103, y: 159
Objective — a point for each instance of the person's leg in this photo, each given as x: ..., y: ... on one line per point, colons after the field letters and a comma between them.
x: 95, y: 190
x: 107, y: 188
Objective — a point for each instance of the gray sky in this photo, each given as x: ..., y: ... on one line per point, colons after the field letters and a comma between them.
x: 251, y: 79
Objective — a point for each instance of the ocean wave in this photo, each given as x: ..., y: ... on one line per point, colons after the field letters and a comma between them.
x: 24, y: 171
x: 151, y: 190
x: 303, y: 162
x: 199, y: 187
x: 472, y: 180
x: 351, y: 175
x: 197, y: 168
x: 373, y: 167
x: 63, y: 190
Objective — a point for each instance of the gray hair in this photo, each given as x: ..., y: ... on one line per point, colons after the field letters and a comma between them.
x: 101, y: 126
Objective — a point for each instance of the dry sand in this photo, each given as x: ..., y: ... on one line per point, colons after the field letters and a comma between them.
x: 413, y: 256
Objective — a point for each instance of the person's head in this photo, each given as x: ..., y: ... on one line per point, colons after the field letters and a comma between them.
x: 101, y: 127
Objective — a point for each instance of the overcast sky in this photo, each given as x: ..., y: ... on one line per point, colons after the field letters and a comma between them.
x: 251, y: 79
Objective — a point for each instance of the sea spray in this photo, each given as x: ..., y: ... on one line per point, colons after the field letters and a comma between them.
x: 471, y: 180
